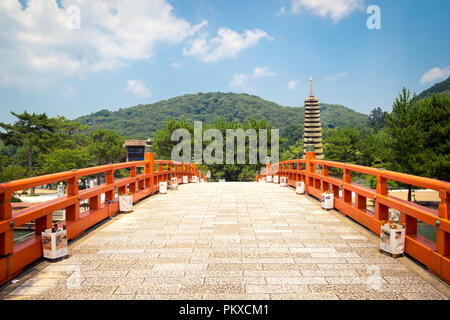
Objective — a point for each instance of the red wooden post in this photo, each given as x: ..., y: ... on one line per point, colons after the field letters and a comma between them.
x: 149, y: 169
x: 122, y: 190
x: 381, y: 211
x: 6, y: 238
x: 44, y: 222
x: 169, y: 169
x: 133, y: 186
x: 110, y: 195
x: 410, y: 222
x: 325, y: 185
x: 310, y: 168
x: 347, y: 194
x: 442, y: 237
x: 73, y: 211
x: 159, y: 178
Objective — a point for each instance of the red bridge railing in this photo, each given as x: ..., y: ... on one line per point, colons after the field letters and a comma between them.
x: 434, y: 255
x: 14, y: 257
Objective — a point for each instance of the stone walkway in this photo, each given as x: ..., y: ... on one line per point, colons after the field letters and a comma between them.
x: 228, y: 241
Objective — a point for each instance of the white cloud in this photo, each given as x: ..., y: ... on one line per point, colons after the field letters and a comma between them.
x: 435, y: 74
x: 176, y: 64
x: 336, y: 76
x: 292, y: 84
x: 243, y: 81
x: 227, y: 44
x: 335, y: 9
x: 39, y: 46
x: 282, y: 11
x: 262, y: 72
x: 138, y: 88
x: 239, y: 81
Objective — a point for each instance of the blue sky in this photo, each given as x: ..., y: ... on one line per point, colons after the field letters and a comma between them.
x: 121, y: 54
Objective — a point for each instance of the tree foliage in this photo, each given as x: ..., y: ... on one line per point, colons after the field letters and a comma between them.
x: 48, y: 145
x: 420, y: 132
x: 29, y: 130
x: 231, y: 172
x: 106, y: 146
x: 67, y: 159
x: 377, y: 119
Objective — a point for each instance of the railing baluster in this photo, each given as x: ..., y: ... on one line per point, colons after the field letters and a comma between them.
x: 110, y: 195
x: 149, y: 169
x: 325, y: 185
x: 133, y: 186
x: 442, y: 237
x: 310, y: 168
x: 347, y: 194
x: 73, y: 211
x: 382, y: 211
x: 44, y: 222
x: 6, y: 238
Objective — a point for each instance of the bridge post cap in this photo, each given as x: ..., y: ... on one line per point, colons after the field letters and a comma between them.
x: 148, y: 145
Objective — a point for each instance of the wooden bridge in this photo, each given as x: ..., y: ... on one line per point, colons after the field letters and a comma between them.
x: 226, y: 240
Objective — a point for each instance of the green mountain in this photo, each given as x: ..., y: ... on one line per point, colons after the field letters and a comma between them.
x: 141, y: 122
x: 441, y: 87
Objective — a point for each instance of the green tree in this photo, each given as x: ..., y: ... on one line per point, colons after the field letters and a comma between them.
x: 67, y: 159
x: 231, y: 172
x: 293, y: 152
x: 435, y: 126
x: 30, y: 130
x: 12, y: 172
x: 162, y: 140
x: 70, y: 134
x: 420, y: 133
x: 106, y: 146
x: 341, y: 144
x: 377, y: 119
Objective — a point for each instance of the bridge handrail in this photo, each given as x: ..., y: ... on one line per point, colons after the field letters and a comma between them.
x: 13, y: 257
x: 435, y: 255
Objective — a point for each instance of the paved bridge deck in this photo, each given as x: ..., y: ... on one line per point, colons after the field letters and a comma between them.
x: 228, y: 241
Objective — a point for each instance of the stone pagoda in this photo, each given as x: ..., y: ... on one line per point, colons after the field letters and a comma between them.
x: 312, y: 132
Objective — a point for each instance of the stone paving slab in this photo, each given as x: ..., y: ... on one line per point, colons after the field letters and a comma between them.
x: 228, y: 241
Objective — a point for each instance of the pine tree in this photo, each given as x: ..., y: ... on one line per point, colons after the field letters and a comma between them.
x: 420, y: 136
x: 29, y: 130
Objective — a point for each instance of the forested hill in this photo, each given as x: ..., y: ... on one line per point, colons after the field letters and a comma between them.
x: 441, y: 87
x: 142, y: 121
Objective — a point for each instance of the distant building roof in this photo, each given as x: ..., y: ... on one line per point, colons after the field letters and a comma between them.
x: 134, y: 143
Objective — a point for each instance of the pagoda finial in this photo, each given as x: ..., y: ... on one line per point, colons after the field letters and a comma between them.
x: 310, y: 88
